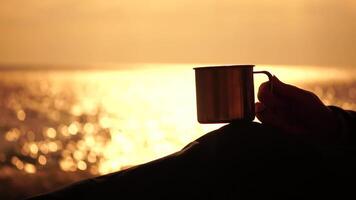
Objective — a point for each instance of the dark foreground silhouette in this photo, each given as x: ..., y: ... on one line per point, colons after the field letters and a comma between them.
x: 302, y: 149
x: 239, y: 160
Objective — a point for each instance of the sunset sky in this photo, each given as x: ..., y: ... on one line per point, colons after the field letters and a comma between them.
x: 80, y: 32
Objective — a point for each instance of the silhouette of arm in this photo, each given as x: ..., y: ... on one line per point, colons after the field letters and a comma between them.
x: 299, y: 112
x: 346, y: 123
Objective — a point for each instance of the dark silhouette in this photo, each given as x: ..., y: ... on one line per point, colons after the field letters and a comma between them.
x: 302, y: 149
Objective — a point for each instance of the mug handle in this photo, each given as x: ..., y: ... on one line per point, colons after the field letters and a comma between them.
x: 269, y: 77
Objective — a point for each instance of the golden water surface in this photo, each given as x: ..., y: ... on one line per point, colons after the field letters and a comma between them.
x: 101, y: 121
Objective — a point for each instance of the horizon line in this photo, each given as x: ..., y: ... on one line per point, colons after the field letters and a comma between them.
x: 128, y: 66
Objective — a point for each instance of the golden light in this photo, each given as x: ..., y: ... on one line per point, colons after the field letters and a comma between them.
x: 52, y: 146
x: 20, y: 165
x: 33, y: 148
x: 51, y: 133
x: 89, y: 141
x: 81, y: 145
x: 21, y: 115
x: 105, y: 122
x: 17, y: 162
x: 128, y: 117
x: 76, y: 110
x: 42, y: 160
x: 12, y: 135
x: 92, y: 157
x: 89, y: 128
x: 91, y: 115
x: 24, y: 150
x: 82, y: 165
x: 64, y: 130
x: 78, y: 155
x: 30, y: 168
x: 73, y: 128
x: 67, y: 164
x: 44, y: 148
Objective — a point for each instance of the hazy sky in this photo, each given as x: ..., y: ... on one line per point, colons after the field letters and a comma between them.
x: 306, y: 32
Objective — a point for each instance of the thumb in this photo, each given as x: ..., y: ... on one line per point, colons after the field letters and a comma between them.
x: 288, y: 91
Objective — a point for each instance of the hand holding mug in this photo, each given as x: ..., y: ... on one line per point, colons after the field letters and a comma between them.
x: 293, y: 110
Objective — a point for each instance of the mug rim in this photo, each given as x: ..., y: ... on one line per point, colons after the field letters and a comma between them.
x: 223, y: 67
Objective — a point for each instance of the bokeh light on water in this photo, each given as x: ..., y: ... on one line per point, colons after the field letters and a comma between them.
x: 87, y: 123
x: 95, y: 121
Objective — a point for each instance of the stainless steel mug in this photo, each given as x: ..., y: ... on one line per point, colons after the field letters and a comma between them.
x: 225, y: 93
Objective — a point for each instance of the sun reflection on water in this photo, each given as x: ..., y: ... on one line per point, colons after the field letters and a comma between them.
x: 105, y: 121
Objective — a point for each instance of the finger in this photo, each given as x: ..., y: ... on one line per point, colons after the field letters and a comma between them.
x: 268, y: 98
x: 263, y: 90
x: 289, y: 91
